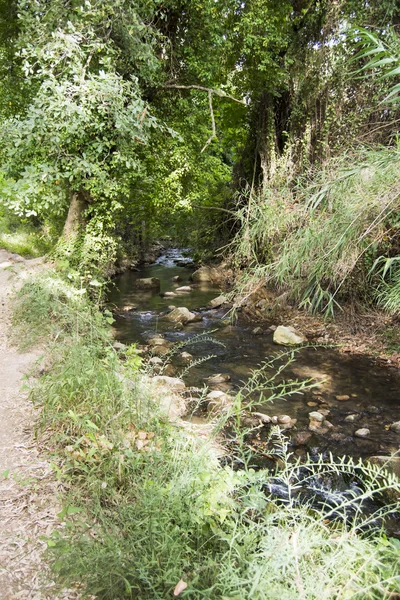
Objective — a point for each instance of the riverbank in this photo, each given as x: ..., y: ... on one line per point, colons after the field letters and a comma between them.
x: 354, y: 330
x: 151, y: 512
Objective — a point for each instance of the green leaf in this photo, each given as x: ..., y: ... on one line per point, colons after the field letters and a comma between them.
x: 68, y: 511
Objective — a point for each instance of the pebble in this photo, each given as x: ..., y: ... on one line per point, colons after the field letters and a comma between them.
x: 343, y: 397
x: 219, y: 378
x: 312, y: 404
x: 316, y: 416
x: 324, y: 411
x: 217, y: 302
x: 274, y: 420
x: 373, y: 410
x: 352, y: 418
x: 317, y: 427
x: 257, y: 331
x: 217, y: 401
x: 288, y: 425
x: 169, y: 370
x: 119, y: 346
x: 395, y: 427
x: 215, y: 395
x: 263, y: 418
x: 157, y: 341
x: 284, y: 419
x: 362, y: 433
x: 155, y: 360
x: 302, y: 437
x: 160, y: 350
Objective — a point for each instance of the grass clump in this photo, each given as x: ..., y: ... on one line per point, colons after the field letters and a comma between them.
x: 324, y: 236
x: 149, y: 505
x: 51, y: 308
x: 22, y: 237
x: 25, y: 243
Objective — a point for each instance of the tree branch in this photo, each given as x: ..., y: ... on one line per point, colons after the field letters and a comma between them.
x: 213, y: 136
x: 204, y: 89
x: 210, y: 92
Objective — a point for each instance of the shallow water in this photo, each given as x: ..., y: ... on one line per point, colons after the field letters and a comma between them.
x: 374, y: 389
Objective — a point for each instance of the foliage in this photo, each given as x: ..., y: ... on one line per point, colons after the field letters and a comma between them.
x: 323, y: 248
x: 383, y: 58
x: 51, y: 308
x: 93, y: 76
x: 76, y: 134
x: 25, y: 243
x: 149, y: 506
x: 24, y: 237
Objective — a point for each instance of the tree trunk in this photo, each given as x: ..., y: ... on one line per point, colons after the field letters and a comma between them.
x: 75, y: 218
x: 273, y: 123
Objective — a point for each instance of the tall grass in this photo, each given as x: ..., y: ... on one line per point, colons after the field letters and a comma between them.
x: 146, y: 505
x: 324, y: 236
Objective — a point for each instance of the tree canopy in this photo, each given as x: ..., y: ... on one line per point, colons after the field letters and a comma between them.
x: 165, y: 113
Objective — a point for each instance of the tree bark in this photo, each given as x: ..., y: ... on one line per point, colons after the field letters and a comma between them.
x: 75, y: 218
x: 273, y: 122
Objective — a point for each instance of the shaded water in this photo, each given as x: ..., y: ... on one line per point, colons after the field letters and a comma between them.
x: 374, y: 390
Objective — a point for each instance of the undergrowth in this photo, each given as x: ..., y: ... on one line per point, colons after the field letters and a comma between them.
x: 148, y: 505
x: 21, y: 237
x: 328, y: 239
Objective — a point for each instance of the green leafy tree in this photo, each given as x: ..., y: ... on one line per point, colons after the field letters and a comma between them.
x: 77, y: 143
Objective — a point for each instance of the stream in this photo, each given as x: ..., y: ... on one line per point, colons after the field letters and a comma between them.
x: 373, y: 389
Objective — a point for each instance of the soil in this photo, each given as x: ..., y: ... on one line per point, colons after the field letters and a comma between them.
x: 28, y: 488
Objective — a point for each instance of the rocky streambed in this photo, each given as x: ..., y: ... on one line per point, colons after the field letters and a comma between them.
x: 179, y: 318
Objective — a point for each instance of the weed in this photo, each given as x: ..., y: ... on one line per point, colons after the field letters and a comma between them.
x: 149, y: 506
x: 391, y: 338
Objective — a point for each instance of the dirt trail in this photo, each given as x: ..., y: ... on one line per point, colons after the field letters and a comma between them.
x: 28, y: 490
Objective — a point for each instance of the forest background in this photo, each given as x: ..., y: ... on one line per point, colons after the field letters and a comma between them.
x: 268, y: 128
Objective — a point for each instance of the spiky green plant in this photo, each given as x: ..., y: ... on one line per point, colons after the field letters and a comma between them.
x: 343, y: 218
x: 146, y: 505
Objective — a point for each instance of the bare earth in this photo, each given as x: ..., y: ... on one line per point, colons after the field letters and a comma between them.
x: 28, y: 490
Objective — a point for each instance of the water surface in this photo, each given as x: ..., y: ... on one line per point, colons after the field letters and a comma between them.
x: 373, y: 389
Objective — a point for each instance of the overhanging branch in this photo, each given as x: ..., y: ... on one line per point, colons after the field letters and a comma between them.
x: 213, y: 136
x: 204, y: 89
x: 210, y: 92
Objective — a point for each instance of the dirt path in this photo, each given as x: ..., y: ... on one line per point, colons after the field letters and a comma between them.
x: 28, y: 490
